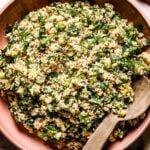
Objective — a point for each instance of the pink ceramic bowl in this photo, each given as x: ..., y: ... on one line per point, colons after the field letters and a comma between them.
x: 12, y: 11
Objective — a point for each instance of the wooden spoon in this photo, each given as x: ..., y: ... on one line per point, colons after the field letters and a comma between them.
x: 139, y: 106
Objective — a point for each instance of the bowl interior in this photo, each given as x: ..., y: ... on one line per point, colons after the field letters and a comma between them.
x: 14, y: 12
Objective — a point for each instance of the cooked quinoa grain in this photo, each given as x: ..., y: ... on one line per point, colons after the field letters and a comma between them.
x: 66, y: 66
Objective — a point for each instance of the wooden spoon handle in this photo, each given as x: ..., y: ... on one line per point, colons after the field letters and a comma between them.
x: 101, y: 134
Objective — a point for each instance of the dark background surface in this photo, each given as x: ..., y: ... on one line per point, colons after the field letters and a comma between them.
x: 143, y: 143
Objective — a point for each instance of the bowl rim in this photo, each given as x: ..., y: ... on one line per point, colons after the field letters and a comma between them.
x: 138, y: 8
x: 6, y: 6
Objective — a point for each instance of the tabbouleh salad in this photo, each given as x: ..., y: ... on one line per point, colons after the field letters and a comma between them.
x: 68, y: 65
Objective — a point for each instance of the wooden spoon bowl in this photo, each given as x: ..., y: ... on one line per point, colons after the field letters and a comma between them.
x: 138, y: 107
